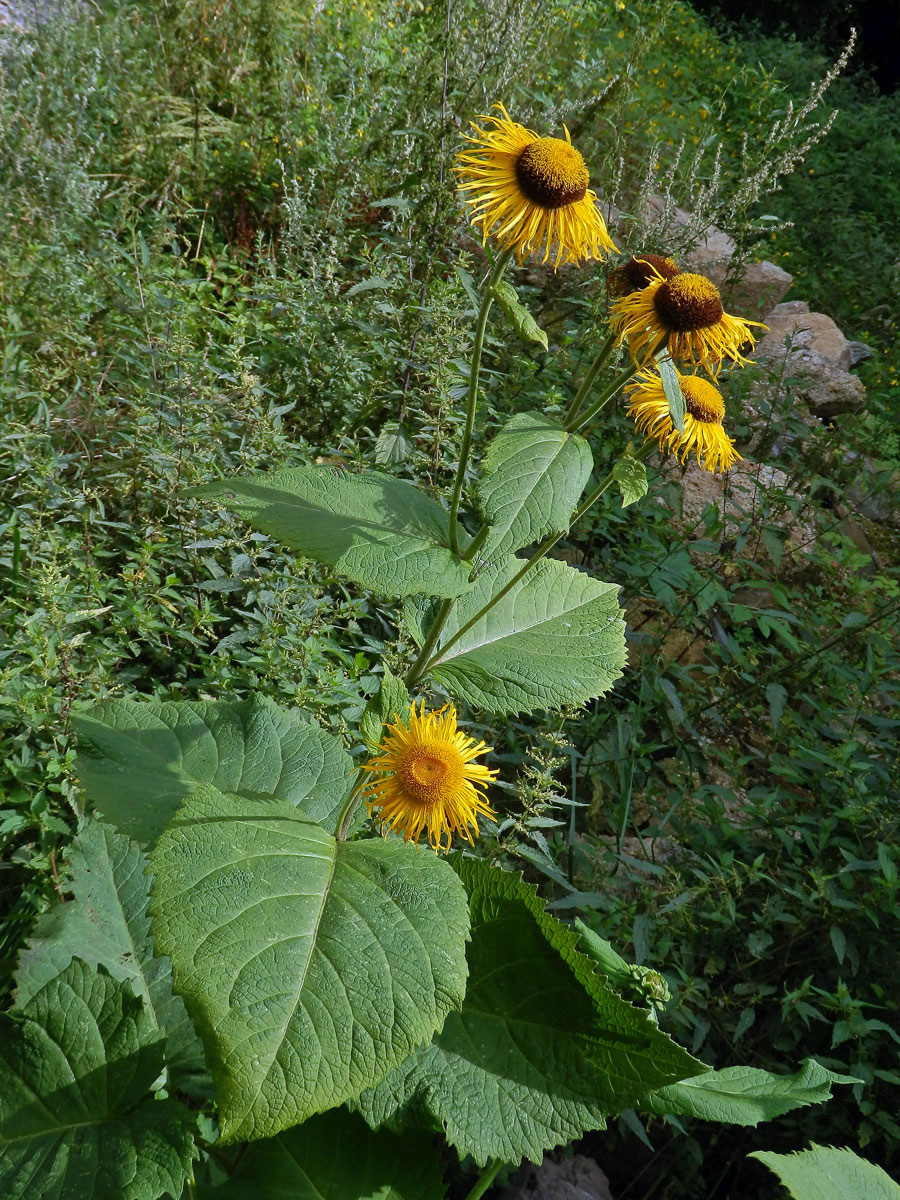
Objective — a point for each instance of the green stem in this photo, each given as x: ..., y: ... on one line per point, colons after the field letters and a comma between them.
x: 477, y: 542
x: 544, y: 548
x: 343, y: 825
x: 485, y: 1179
x: 604, y: 398
x: 588, y: 382
x: 486, y: 301
x: 417, y: 670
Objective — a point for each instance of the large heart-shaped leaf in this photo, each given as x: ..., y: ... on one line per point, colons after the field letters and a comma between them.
x: 106, y: 924
x: 77, y: 1117
x: 310, y: 966
x: 138, y: 759
x: 337, y: 1157
x: 555, y: 638
x: 532, y: 476
x: 542, y: 1049
x: 381, y: 532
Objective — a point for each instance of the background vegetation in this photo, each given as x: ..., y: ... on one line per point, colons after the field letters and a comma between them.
x: 224, y: 228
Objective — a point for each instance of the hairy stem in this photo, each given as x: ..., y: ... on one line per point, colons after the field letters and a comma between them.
x: 485, y: 1179
x: 588, y: 382
x: 417, y: 670
x: 343, y: 825
x: 603, y: 399
x: 487, y: 300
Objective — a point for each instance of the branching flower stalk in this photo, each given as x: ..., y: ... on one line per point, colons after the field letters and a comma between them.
x: 545, y: 547
x: 417, y: 670
x: 590, y: 379
x: 487, y: 300
x: 581, y: 421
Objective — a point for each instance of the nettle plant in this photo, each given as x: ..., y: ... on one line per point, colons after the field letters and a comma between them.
x: 241, y: 942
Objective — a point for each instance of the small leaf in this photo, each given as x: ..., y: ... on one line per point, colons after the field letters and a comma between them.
x: 671, y: 694
x: 367, y: 285
x: 827, y: 1173
x: 745, y: 1021
x: 887, y: 864
x: 744, y: 1095
x: 772, y: 540
x: 610, y: 962
x: 555, y: 638
x: 390, y: 703
x: 521, y: 319
x: 336, y: 1156
x: 138, y: 759
x: 838, y: 942
x: 672, y: 389
x: 532, y: 476
x: 631, y: 476
x: 381, y: 532
x: 776, y: 694
x: 310, y: 966
x: 542, y: 1050
x: 106, y: 924
x: 758, y: 942
x: 77, y: 1117
x: 392, y: 445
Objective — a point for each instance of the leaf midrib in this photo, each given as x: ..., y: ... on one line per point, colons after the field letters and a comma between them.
x: 264, y: 1075
x: 537, y: 476
x: 461, y: 648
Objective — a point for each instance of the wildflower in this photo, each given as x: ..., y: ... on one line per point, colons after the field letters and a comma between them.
x: 685, y: 313
x: 531, y: 193
x: 426, y: 778
x: 704, y: 411
x: 639, y: 272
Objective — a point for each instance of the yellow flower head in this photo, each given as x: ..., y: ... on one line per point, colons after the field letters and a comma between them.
x: 704, y: 411
x: 424, y: 778
x: 531, y: 192
x: 639, y: 272
x: 686, y: 313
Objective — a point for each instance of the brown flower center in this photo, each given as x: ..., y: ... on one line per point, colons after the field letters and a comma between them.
x: 702, y: 400
x: 551, y: 173
x: 688, y: 302
x: 638, y: 273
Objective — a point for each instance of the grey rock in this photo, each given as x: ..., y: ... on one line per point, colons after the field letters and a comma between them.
x: 790, y: 308
x: 756, y: 287
x: 578, y: 1178
x: 754, y: 291
x: 859, y: 352
x: 792, y: 328
x: 826, y: 389
x: 715, y: 248
x: 739, y: 495
x: 875, y: 493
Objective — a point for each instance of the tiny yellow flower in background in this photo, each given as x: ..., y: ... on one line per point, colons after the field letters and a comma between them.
x: 704, y: 412
x: 425, y: 778
x: 531, y: 193
x: 685, y: 313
